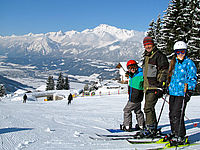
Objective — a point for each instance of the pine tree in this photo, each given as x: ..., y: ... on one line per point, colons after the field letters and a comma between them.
x: 66, y: 84
x: 60, y: 82
x: 151, y: 30
x: 167, y: 38
x: 50, y: 83
x: 2, y: 90
x: 157, y: 29
x: 194, y: 33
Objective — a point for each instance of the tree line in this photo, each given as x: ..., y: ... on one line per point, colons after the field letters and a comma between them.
x: 62, y: 83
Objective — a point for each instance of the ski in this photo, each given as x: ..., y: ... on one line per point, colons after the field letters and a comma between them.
x: 110, y: 138
x: 167, y: 146
x: 130, y: 138
x: 147, y: 141
x: 119, y: 130
x: 115, y: 135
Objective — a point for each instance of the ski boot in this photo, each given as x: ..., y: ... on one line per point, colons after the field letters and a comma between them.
x: 175, y: 141
x: 151, y: 132
x: 166, y: 138
x: 126, y: 128
x: 137, y: 127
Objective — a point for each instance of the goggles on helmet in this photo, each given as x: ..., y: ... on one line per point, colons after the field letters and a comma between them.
x: 180, y: 51
x: 133, y: 66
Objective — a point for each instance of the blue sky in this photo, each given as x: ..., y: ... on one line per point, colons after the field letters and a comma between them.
x: 41, y: 16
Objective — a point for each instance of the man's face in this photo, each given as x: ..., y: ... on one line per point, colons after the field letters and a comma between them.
x: 148, y: 47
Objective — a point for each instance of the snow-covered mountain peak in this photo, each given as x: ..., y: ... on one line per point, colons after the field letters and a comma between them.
x: 71, y: 33
x: 102, y: 29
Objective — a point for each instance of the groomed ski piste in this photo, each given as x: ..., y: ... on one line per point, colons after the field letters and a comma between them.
x: 54, y: 125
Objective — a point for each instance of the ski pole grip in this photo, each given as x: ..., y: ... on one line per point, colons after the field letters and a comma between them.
x: 186, y: 86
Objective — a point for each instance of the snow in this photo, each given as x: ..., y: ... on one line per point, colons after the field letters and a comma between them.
x: 54, y: 125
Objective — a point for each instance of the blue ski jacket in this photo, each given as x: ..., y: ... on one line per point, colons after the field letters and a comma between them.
x: 184, y: 72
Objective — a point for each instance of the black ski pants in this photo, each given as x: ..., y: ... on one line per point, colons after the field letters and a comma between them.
x: 175, y: 110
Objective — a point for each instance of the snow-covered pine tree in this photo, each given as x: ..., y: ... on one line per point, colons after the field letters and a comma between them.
x: 167, y: 30
x: 2, y: 90
x: 157, y: 36
x: 194, y: 38
x: 66, y: 84
x: 178, y: 24
x: 151, y: 31
x: 50, y: 83
x: 60, y: 82
x: 154, y: 30
x: 194, y: 33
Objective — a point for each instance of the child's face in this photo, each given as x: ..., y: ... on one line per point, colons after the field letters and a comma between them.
x: 180, y: 54
x: 132, y: 69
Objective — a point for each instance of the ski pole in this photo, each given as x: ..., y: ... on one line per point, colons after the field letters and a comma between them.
x: 194, y: 124
x: 161, y: 111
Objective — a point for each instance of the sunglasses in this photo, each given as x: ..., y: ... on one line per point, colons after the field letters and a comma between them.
x: 180, y: 51
x: 130, y: 67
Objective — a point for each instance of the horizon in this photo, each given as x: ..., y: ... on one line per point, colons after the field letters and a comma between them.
x: 34, y: 16
x: 68, y: 31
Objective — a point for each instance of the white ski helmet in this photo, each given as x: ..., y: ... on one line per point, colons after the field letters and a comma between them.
x: 180, y: 45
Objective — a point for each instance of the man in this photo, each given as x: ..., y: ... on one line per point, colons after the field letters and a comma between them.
x: 24, y: 98
x: 70, y: 98
x: 155, y: 68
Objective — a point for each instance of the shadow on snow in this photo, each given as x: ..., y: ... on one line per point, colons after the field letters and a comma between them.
x: 189, y: 124
x: 7, y: 130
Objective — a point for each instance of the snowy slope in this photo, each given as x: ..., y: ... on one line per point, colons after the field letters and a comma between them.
x: 56, y: 126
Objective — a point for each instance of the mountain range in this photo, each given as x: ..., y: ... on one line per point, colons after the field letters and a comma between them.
x: 104, y: 42
x: 90, y: 52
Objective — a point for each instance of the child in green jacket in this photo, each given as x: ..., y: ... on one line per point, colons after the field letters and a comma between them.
x: 135, y: 91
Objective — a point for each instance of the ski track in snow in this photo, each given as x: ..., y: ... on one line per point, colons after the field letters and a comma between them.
x: 56, y: 126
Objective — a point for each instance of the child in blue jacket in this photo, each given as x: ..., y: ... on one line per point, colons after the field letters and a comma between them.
x: 182, y: 80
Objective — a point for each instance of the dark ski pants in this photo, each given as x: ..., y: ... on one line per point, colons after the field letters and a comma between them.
x: 175, y: 110
x: 136, y: 107
x: 149, y: 108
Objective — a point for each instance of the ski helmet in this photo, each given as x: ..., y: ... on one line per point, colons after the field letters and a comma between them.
x: 131, y: 62
x: 180, y: 45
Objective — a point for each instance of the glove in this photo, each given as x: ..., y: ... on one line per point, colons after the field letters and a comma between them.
x: 161, y: 84
x: 159, y: 93
x: 166, y: 90
x: 127, y: 74
x: 188, y: 95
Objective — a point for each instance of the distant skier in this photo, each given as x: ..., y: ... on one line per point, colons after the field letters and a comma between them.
x: 135, y: 91
x: 182, y: 80
x: 70, y: 98
x: 24, y: 98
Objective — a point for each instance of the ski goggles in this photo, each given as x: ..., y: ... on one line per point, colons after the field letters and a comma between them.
x: 130, y: 67
x: 180, y: 51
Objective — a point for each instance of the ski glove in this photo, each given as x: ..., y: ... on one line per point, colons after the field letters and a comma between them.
x: 188, y: 95
x: 127, y: 74
x: 159, y: 93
